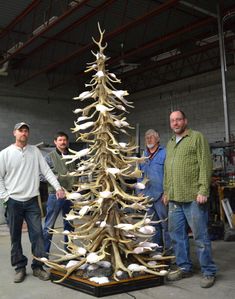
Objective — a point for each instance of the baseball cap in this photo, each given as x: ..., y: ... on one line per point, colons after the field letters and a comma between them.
x: 20, y: 125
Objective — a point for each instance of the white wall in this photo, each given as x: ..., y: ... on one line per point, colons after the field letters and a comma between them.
x: 200, y: 97
x: 48, y: 112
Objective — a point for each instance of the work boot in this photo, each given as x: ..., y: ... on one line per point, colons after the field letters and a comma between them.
x: 41, y: 273
x: 178, y: 274
x: 20, y: 275
x: 207, y: 281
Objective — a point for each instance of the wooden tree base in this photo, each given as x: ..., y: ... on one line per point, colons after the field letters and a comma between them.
x: 111, y: 288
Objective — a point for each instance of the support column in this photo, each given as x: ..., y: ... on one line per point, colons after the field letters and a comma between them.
x: 223, y: 74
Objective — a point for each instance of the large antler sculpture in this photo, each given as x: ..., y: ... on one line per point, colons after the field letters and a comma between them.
x: 104, y: 232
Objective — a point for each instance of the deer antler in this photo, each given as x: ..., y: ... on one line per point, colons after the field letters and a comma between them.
x: 99, y: 43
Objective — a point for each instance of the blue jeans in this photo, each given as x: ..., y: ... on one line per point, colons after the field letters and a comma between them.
x: 159, y: 212
x: 54, y: 206
x: 193, y: 215
x: 17, y: 212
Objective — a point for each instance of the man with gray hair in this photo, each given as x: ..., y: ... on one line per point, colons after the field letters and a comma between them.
x: 153, y: 169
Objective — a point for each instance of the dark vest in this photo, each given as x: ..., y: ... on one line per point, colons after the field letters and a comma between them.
x: 60, y: 169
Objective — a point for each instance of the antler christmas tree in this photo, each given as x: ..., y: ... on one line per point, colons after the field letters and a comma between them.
x: 103, y: 230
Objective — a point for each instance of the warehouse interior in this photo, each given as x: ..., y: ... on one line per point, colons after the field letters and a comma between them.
x: 172, y: 54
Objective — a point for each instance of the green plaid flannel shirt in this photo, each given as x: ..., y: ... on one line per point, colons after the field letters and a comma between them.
x: 188, y: 167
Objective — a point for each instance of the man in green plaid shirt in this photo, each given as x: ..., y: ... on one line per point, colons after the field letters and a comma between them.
x: 187, y: 176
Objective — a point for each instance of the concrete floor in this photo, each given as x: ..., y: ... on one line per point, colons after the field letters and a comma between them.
x: 224, y: 255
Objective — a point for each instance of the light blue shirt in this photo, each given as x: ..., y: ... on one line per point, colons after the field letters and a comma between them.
x: 153, y: 169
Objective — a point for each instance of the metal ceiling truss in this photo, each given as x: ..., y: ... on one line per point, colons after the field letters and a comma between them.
x: 194, y: 51
x: 39, y: 19
x: 175, y: 69
x: 109, y: 36
x: 23, y: 71
x: 48, y: 37
x: 147, y: 46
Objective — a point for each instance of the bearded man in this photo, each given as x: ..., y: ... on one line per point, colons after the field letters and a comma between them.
x: 153, y: 170
x: 188, y: 169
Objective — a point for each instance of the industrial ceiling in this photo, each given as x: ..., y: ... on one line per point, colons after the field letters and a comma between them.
x: 150, y: 42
